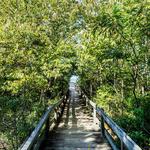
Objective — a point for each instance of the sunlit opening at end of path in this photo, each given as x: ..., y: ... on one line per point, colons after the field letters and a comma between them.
x: 73, y: 81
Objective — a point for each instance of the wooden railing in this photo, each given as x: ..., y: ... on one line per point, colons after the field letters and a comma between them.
x: 110, y: 129
x: 46, y: 123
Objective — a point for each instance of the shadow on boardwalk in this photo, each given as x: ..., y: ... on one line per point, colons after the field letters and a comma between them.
x: 75, y: 130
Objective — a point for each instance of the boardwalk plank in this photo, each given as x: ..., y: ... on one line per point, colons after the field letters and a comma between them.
x: 76, y: 130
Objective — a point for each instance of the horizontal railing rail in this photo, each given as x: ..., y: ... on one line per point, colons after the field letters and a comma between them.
x: 42, y: 129
x: 110, y: 129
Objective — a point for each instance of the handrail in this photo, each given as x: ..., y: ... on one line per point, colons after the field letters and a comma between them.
x: 128, y: 142
x: 124, y: 138
x: 29, y: 143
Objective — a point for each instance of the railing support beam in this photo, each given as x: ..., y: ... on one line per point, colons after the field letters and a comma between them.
x: 47, y: 127
x: 34, y: 140
x: 102, y: 127
x: 122, y: 145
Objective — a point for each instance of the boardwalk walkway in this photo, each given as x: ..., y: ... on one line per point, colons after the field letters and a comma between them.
x: 76, y: 130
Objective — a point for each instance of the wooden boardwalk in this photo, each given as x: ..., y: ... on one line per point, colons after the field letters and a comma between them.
x: 69, y: 125
x: 76, y: 130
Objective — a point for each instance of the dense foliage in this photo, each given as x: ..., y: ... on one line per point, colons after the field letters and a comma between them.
x: 114, y: 63
x: 42, y: 42
x: 35, y: 63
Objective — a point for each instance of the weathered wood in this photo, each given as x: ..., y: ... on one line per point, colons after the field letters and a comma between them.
x: 124, y: 138
x: 92, y: 103
x: 84, y: 97
x: 55, y: 114
x: 31, y: 141
x: 110, y: 141
x: 94, y: 114
x: 102, y: 126
x: 94, y: 109
x: 47, y: 127
x: 122, y: 145
x: 40, y: 139
x: 110, y: 131
x: 76, y: 129
x: 128, y: 142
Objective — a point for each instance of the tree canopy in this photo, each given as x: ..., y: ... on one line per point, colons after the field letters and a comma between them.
x: 43, y: 42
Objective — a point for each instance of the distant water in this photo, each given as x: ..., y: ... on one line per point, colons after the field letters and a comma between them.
x: 72, y: 87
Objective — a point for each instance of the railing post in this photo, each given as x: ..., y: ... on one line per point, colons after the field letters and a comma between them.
x: 55, y: 114
x: 94, y: 113
x: 122, y: 145
x: 86, y: 100
x: 47, y: 127
x: 61, y: 107
x: 102, y: 126
x: 67, y: 95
